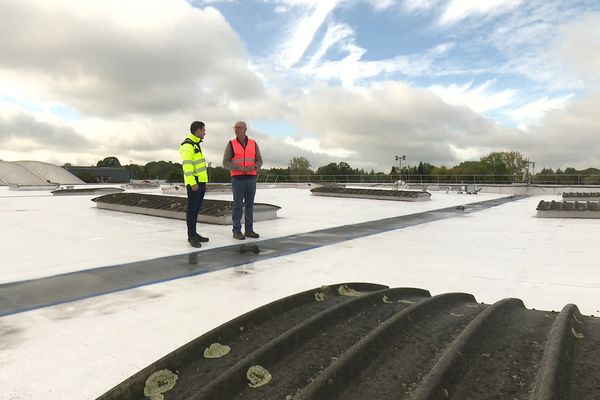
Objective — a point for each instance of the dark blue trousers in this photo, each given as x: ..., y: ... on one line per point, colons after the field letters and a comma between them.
x: 193, y: 207
x: 244, y: 189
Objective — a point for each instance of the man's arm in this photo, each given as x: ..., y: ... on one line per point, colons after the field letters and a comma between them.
x: 187, y: 164
x: 259, y: 160
x: 227, y: 156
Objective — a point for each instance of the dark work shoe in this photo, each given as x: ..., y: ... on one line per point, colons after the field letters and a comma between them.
x: 194, y: 242
x: 252, y: 235
x: 201, y: 238
x: 238, y: 236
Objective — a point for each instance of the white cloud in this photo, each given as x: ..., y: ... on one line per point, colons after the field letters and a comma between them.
x: 480, y: 99
x: 351, y: 69
x: 114, y: 58
x: 382, y: 4
x: 535, y: 110
x: 381, y: 121
x: 458, y: 10
x: 314, y: 146
x: 335, y: 33
x: 528, y: 38
x: 303, y: 33
x: 579, y: 48
x: 568, y: 136
x: 419, y: 5
x: 21, y: 130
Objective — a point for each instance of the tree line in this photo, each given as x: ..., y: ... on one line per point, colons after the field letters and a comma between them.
x: 496, y: 167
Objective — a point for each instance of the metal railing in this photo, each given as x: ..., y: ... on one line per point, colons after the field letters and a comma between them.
x: 550, y: 179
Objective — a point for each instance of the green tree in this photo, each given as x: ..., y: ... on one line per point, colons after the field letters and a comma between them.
x: 440, y: 174
x: 546, y: 175
x: 424, y: 168
x: 275, y: 171
x: 299, y: 166
x: 342, y: 168
x: 505, y: 162
x: 109, y: 162
x: 161, y: 169
x: 218, y: 174
x: 394, y: 175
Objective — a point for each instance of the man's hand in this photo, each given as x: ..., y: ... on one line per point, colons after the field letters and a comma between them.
x: 194, y: 187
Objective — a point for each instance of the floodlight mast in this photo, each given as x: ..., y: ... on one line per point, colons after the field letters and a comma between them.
x: 399, y: 159
x: 528, y: 164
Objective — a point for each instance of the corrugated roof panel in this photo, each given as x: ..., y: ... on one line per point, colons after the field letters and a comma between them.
x: 402, y: 195
x: 364, y: 341
x: 212, y: 211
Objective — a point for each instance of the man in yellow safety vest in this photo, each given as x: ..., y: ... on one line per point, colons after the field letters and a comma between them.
x: 195, y: 178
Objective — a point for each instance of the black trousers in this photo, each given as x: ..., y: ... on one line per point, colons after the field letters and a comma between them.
x: 194, y: 203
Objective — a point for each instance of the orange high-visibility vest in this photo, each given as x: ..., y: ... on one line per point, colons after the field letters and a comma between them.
x: 244, y: 157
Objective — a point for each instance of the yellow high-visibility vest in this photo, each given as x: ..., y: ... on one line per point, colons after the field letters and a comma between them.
x: 192, y: 161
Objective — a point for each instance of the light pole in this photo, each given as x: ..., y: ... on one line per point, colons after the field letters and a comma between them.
x: 208, y: 171
x: 527, y: 174
x: 399, y: 159
x: 131, y: 163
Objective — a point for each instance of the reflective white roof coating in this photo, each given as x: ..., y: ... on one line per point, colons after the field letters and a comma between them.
x: 81, y: 349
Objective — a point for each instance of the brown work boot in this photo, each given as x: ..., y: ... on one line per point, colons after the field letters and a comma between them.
x: 238, y: 236
x: 251, y: 234
x: 200, y: 238
x: 194, y: 242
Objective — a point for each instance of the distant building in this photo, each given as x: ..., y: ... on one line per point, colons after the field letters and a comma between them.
x: 101, y: 174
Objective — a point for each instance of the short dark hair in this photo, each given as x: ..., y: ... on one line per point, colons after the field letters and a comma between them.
x: 196, y: 125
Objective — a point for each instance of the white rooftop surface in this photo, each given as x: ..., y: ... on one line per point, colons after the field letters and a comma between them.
x: 81, y: 349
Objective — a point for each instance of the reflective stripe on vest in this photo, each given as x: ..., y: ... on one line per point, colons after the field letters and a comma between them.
x: 243, y: 157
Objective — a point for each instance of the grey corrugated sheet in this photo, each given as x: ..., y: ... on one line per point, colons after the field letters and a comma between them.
x: 572, y: 206
x: 212, y: 211
x: 367, y: 341
x: 402, y: 195
x: 581, y: 196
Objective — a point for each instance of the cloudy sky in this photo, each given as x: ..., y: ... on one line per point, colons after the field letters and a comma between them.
x: 359, y: 81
